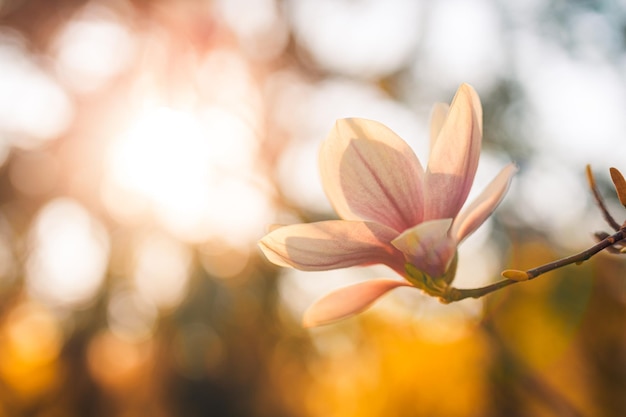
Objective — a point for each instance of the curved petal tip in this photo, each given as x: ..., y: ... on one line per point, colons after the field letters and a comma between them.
x: 348, y: 301
x: 480, y: 209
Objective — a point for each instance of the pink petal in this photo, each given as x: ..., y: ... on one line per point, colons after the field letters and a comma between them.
x: 476, y: 213
x: 428, y: 246
x: 454, y: 157
x: 332, y: 244
x: 437, y: 118
x: 273, y: 227
x: 348, y: 301
x: 370, y: 173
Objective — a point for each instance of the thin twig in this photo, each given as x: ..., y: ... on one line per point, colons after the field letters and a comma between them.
x: 579, y: 257
x: 458, y: 294
x: 616, y: 249
x: 513, y: 276
x: 596, y: 194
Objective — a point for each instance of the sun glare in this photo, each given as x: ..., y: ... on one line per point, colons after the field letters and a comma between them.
x: 191, y: 172
x: 162, y: 148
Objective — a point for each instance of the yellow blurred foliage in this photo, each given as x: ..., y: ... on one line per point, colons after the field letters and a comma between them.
x: 391, y: 370
x: 30, y: 342
x: 538, y: 320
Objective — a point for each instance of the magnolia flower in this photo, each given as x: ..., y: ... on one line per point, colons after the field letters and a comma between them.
x: 393, y: 211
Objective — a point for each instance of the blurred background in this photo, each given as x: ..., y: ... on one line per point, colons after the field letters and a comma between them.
x: 145, y: 146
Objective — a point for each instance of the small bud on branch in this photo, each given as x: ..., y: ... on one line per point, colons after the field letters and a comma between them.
x: 620, y: 185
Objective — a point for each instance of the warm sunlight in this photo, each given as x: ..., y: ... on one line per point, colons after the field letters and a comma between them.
x: 160, y: 163
x: 160, y: 155
x: 190, y: 172
x: 256, y: 208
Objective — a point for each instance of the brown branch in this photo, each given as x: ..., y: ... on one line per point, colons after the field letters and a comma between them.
x: 596, y: 194
x: 606, y: 242
x: 579, y: 257
x: 514, y: 275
